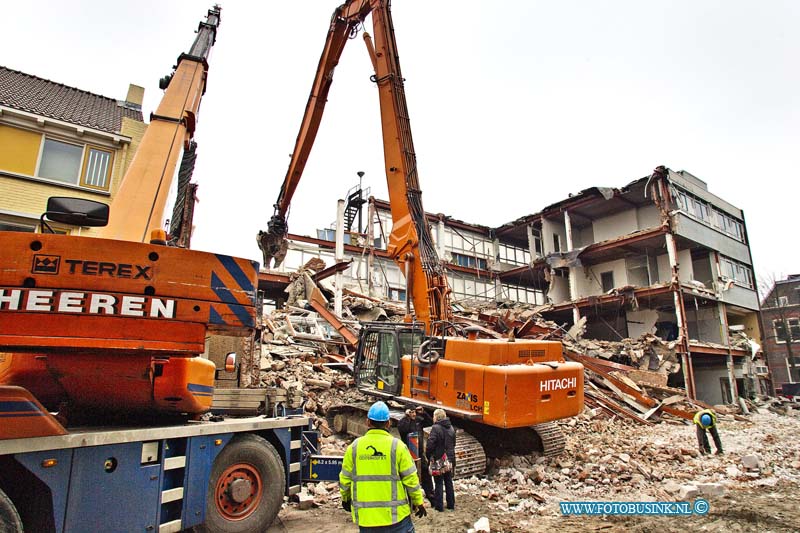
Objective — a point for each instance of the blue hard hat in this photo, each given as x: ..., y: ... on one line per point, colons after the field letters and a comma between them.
x: 379, y: 412
x: 705, y: 419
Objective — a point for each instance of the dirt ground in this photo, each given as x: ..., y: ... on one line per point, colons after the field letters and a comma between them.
x: 776, y: 510
x: 766, y: 498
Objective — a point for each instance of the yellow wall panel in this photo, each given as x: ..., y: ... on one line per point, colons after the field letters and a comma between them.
x: 19, y: 150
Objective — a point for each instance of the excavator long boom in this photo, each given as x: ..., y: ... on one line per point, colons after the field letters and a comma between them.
x: 410, y: 242
x: 138, y: 205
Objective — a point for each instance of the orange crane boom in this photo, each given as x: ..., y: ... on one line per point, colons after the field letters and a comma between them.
x: 410, y: 242
x: 138, y: 205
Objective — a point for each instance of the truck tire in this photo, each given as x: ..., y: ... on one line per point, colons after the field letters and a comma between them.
x: 245, y: 491
x: 10, y: 521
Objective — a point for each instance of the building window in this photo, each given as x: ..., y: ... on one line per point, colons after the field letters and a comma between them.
x: 513, y: 255
x: 75, y: 164
x: 537, y: 241
x: 97, y: 168
x: 398, y: 295
x: 782, y: 301
x: 60, y: 161
x: 779, y: 327
x: 607, y: 281
x: 701, y: 210
x: 736, y: 271
x: 468, y: 261
x: 556, y: 243
x: 638, y: 273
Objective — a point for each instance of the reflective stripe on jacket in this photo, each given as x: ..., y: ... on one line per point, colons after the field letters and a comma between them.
x: 379, y: 476
x: 705, y: 412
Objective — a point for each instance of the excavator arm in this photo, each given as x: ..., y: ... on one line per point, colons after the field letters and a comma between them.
x: 410, y: 242
x: 138, y: 205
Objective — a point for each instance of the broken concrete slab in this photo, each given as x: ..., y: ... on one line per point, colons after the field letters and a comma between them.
x: 751, y: 461
x: 711, y: 490
x: 688, y: 492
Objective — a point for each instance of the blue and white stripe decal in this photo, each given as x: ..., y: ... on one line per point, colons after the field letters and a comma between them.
x: 18, y: 408
x: 225, y: 295
x: 239, y: 275
x: 200, y: 390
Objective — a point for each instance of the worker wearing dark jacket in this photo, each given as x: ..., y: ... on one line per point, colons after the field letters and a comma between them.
x: 441, y: 441
x: 415, y: 420
x: 706, y: 420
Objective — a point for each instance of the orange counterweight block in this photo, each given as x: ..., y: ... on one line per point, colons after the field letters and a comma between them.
x: 501, y: 383
x: 126, y: 383
x: 22, y: 416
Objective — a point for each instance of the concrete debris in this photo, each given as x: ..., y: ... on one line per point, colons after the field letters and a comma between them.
x: 751, y: 462
x: 662, y: 464
x: 306, y: 501
x: 688, y: 492
x: 711, y: 490
x: 635, y: 436
x: 482, y: 525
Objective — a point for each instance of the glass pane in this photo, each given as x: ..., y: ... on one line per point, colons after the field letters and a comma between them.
x: 97, y: 168
x: 60, y: 161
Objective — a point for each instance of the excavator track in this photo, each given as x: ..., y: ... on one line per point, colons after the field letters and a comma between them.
x: 545, y: 438
x: 553, y: 439
x: 470, y: 457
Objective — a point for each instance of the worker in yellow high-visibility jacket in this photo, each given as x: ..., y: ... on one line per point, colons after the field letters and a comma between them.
x: 378, y: 479
x: 706, y: 420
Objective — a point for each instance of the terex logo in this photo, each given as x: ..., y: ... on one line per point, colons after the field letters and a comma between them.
x: 45, y: 264
x: 114, y: 270
x: 558, y: 384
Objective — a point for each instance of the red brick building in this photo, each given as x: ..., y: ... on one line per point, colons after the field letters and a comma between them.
x: 780, y: 316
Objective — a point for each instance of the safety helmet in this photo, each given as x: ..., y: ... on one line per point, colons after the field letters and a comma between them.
x: 705, y: 419
x: 379, y: 412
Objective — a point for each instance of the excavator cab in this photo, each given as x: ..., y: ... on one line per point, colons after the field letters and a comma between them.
x: 381, y: 346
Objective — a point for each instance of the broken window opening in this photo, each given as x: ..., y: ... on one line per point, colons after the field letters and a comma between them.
x: 638, y: 271
x: 607, y: 281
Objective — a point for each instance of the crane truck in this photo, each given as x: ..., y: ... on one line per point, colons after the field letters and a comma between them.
x: 505, y: 394
x: 101, y: 384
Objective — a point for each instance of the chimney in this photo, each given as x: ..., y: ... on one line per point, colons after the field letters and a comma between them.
x: 135, y: 95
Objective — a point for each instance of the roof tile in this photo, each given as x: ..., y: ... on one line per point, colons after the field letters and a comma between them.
x: 50, y: 99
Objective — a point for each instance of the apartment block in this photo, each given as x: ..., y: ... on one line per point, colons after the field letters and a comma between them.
x: 661, y: 255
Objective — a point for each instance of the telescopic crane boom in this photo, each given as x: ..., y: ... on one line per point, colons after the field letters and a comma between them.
x: 138, y: 205
x: 410, y: 242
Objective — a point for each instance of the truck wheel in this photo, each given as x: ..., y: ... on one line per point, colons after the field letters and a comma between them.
x: 246, y: 488
x: 9, y: 517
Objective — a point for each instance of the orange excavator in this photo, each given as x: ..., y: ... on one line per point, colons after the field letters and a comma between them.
x: 506, y: 393
x: 113, y: 325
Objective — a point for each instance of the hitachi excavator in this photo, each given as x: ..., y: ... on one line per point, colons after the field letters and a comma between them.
x: 505, y: 393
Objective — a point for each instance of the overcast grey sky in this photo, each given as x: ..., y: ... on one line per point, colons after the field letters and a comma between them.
x: 513, y: 104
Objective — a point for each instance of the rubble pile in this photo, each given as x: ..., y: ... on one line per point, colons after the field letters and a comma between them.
x: 616, y: 459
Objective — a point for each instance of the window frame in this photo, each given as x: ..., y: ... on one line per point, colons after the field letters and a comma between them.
x: 790, y: 327
x: 107, y: 178
x: 83, y: 163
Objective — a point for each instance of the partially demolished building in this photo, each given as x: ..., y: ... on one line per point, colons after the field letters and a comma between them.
x: 662, y: 261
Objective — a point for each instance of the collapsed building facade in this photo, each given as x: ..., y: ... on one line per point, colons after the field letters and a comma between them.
x: 662, y: 260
